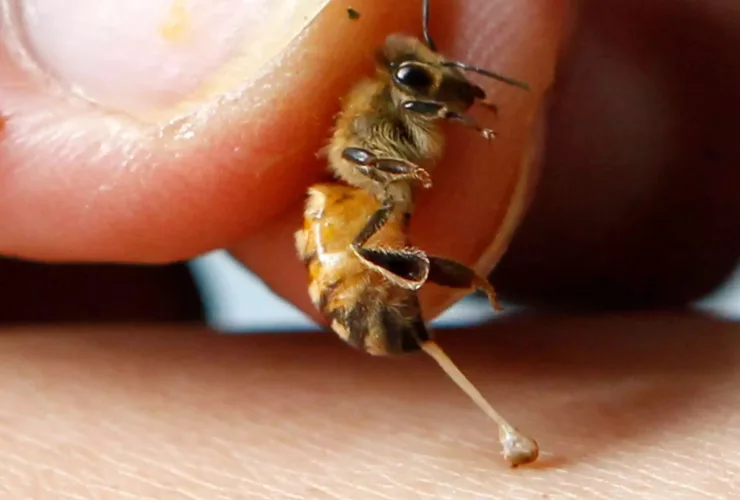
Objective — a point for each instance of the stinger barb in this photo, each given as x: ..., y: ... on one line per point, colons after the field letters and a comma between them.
x: 425, y: 25
x: 489, y: 74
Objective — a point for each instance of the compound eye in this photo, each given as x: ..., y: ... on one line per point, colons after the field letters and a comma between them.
x: 414, y: 77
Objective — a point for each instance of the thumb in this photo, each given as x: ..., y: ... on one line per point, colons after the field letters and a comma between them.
x: 153, y: 130
x: 480, y: 189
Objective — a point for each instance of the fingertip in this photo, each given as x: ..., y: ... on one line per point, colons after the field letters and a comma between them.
x: 482, y: 189
x: 84, y: 183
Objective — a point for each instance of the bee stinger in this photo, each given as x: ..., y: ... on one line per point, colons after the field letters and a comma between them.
x: 363, y: 272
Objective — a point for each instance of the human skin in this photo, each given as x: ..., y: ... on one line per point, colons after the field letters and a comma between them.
x: 621, y: 405
x: 630, y: 406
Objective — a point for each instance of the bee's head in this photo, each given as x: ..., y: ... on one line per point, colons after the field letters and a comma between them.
x: 418, y: 73
x: 426, y: 83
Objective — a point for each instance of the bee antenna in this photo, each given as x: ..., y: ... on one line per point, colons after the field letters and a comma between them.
x: 425, y: 25
x: 485, y: 72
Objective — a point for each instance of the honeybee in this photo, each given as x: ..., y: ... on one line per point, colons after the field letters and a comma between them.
x: 363, y: 272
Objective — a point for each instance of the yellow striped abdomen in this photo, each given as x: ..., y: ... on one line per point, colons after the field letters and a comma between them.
x: 362, y: 307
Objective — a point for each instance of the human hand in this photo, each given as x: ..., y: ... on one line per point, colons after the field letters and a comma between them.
x: 165, y: 169
x: 169, y: 198
x: 640, y: 144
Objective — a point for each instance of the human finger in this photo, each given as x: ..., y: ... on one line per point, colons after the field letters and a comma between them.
x: 638, y: 199
x: 102, y: 164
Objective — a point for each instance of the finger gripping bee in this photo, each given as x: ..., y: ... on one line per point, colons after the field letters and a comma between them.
x: 363, y: 272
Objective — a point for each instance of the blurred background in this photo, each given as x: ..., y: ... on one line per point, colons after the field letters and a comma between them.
x: 213, y: 289
x: 236, y: 300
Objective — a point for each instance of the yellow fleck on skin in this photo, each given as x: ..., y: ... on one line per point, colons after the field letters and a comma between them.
x: 175, y: 27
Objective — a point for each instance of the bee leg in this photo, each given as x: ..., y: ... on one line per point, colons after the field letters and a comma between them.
x: 386, y: 170
x: 490, y: 106
x: 453, y: 274
x: 470, y: 123
x: 431, y: 108
x: 428, y: 108
x: 407, y: 268
x: 374, y: 223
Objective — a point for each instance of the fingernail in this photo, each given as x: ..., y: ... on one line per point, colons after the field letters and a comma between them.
x: 143, y: 55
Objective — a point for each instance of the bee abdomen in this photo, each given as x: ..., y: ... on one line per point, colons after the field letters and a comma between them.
x: 385, y: 329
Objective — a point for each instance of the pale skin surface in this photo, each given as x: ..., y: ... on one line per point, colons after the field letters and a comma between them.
x: 631, y: 407
x: 638, y: 181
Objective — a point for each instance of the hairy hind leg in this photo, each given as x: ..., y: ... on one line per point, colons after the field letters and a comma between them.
x: 453, y: 274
